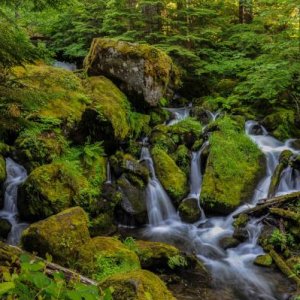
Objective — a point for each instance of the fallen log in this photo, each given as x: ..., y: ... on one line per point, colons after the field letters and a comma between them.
x: 10, y: 254
x: 263, y: 206
x: 286, y: 214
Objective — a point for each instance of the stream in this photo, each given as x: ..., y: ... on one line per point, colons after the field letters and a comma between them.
x: 232, y: 268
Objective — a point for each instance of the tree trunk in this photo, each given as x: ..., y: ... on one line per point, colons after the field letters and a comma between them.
x: 245, y: 11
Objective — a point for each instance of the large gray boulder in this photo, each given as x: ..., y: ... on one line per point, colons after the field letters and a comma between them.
x: 140, y: 70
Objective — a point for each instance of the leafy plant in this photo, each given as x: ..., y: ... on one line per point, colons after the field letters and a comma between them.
x: 177, y: 261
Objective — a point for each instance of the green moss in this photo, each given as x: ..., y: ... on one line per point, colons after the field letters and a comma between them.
x: 282, y: 124
x: 49, y: 189
x: 109, y: 101
x: 263, y: 260
x: 241, y: 221
x: 189, y: 210
x: 105, y: 256
x: 182, y: 158
x: 188, y: 125
x: 137, y: 285
x: 103, y: 224
x: 171, y: 176
x: 2, y: 169
x: 5, y: 228
x: 60, y: 235
x: 233, y: 168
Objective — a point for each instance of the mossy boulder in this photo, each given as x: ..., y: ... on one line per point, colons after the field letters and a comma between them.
x: 143, y: 70
x: 60, y: 235
x: 263, y: 260
x: 133, y: 195
x: 48, y: 190
x: 38, y: 146
x: 101, y: 257
x: 201, y: 114
x: 229, y: 242
x: 182, y: 157
x: 233, y: 169
x: 5, y: 228
x: 189, y: 210
x: 137, y: 285
x: 158, y: 257
x: 173, y: 179
x: 282, y: 124
x: 241, y: 221
x: 2, y: 179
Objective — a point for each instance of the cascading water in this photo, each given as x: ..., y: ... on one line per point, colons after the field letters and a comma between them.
x: 16, y: 175
x: 108, y: 173
x: 65, y: 65
x: 159, y: 205
x: 233, y: 267
x: 179, y: 114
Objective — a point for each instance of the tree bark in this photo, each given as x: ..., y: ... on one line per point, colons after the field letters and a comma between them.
x: 245, y: 11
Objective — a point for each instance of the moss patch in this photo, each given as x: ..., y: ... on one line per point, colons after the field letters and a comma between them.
x: 105, y: 256
x: 60, y: 235
x: 233, y: 168
x: 171, y: 176
x: 137, y: 285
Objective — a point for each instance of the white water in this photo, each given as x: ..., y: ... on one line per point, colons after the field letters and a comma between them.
x: 179, y: 114
x: 65, y: 65
x: 232, y: 267
x: 108, y: 173
x: 16, y: 175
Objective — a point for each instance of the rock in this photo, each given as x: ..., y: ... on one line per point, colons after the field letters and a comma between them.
x: 173, y: 179
x: 296, y: 144
x: 162, y: 139
x: 60, y: 235
x: 263, y: 260
x: 133, y: 199
x: 5, y: 228
x: 157, y: 257
x: 106, y: 118
x: 36, y: 148
x: 137, y: 285
x: 257, y: 130
x: 229, y: 242
x: 189, y: 210
x: 233, y: 169
x: 143, y: 70
x: 48, y: 190
x: 2, y: 179
x: 275, y: 180
x: 295, y: 162
x: 182, y: 157
x: 101, y: 257
x: 241, y: 234
x: 282, y: 124
x: 241, y: 221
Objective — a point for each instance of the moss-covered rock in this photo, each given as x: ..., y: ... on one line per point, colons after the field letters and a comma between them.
x: 263, y: 260
x: 241, y: 221
x: 5, y: 228
x: 142, y: 69
x: 189, y: 210
x: 282, y: 124
x: 101, y: 257
x: 182, y: 157
x: 229, y: 242
x: 173, y: 179
x: 2, y: 179
x: 48, y: 190
x: 60, y: 235
x: 137, y: 285
x: 234, y: 166
x: 201, y: 114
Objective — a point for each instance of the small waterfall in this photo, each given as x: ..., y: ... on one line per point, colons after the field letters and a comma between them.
x: 159, y: 205
x: 289, y: 182
x: 108, y: 173
x: 16, y: 175
x: 65, y: 65
x: 179, y: 114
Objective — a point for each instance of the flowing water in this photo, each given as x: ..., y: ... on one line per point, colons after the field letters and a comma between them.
x: 108, y: 173
x: 179, y: 114
x: 233, y: 267
x: 65, y: 65
x: 16, y: 175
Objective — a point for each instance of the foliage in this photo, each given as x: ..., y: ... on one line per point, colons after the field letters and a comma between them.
x: 177, y: 261
x: 281, y: 240
x: 32, y: 282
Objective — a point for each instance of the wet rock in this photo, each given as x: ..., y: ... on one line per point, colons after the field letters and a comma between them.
x: 173, y: 179
x: 296, y: 144
x: 189, y: 210
x: 143, y: 70
x: 2, y: 179
x: 48, y: 190
x: 257, y: 130
x: 137, y: 285
x: 200, y: 114
x: 5, y: 228
x: 133, y: 198
x: 60, y: 235
x: 229, y: 242
x: 295, y: 162
x: 103, y: 224
x: 100, y: 250
x: 241, y: 221
x: 241, y: 234
x: 263, y: 260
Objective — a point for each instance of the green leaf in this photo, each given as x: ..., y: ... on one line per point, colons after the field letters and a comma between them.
x: 5, y: 287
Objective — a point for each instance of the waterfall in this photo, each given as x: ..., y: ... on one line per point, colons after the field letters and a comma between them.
x: 178, y: 114
x: 65, y: 65
x: 159, y: 205
x: 108, y: 173
x: 16, y: 175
